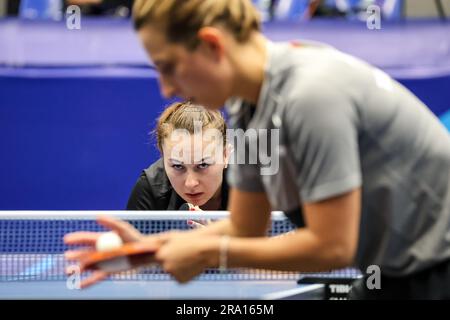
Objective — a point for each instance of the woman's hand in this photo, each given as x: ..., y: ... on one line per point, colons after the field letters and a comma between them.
x: 195, y: 224
x: 88, y: 239
x: 185, y: 255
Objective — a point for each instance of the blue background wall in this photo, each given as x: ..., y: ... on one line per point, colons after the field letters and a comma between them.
x: 76, y: 107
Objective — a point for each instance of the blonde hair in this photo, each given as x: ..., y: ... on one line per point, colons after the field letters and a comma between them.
x: 182, y: 19
x: 182, y: 115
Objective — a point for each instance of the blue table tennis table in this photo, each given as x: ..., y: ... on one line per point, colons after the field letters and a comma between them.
x: 164, y: 290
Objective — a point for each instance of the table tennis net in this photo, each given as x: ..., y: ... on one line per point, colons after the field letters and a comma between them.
x: 32, y: 248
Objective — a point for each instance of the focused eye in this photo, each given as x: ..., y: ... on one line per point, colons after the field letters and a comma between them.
x: 203, y: 165
x: 177, y: 167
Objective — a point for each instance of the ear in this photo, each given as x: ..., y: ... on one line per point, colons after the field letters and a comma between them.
x: 213, y: 39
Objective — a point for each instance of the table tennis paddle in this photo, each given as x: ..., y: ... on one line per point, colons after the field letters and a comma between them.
x: 126, y: 257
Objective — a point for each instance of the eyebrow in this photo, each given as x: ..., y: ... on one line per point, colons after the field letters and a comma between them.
x: 181, y: 162
x: 175, y: 160
x: 203, y: 160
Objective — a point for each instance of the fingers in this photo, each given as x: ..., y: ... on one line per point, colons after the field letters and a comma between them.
x: 77, y: 254
x: 194, y: 208
x: 81, y: 238
x: 205, y: 222
x: 163, y: 237
x: 128, y: 234
x: 110, y: 222
x: 125, y: 230
x: 195, y: 224
x: 93, y: 279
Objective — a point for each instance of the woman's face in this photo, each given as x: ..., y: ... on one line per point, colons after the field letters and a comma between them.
x: 194, y: 166
x: 202, y: 76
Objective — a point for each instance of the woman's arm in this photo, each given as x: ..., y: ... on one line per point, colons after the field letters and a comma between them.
x: 329, y: 240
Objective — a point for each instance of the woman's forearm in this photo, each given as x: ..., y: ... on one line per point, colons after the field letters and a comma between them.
x: 220, y: 227
x: 297, y: 251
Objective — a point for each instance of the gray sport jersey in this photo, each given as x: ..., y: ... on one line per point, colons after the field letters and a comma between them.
x: 345, y: 124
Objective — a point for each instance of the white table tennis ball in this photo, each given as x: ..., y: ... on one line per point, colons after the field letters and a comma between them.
x: 108, y: 241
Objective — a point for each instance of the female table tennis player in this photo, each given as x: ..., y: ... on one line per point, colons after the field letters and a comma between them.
x: 170, y: 182
x: 364, y: 167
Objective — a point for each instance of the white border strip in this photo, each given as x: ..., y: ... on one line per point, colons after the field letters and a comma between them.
x: 127, y: 215
x: 292, y: 293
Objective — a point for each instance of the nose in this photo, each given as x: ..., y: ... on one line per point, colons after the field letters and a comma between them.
x: 168, y: 89
x: 191, y: 181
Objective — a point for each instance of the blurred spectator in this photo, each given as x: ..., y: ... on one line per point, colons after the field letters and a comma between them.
x: 119, y: 8
x: 3, y: 4
x: 12, y: 7
x: 326, y: 8
x: 272, y: 9
x: 357, y: 9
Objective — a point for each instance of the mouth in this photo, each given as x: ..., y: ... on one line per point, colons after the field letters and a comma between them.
x: 194, y: 195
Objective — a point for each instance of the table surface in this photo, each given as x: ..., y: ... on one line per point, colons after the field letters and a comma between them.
x: 41, y: 276
x: 163, y: 289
